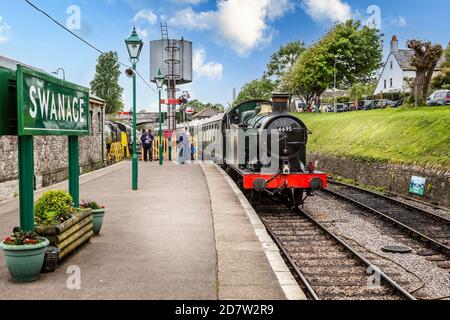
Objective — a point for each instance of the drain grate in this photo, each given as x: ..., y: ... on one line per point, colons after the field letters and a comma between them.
x: 396, y: 249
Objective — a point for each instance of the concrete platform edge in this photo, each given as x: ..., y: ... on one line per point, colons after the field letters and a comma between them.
x: 288, y: 284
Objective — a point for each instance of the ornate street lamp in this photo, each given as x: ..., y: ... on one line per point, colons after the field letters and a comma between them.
x: 159, y: 79
x: 134, y: 46
x: 63, y: 72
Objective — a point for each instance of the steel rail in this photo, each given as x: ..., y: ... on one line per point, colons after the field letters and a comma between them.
x: 395, y: 201
x: 434, y: 244
x: 347, y: 247
x: 294, y: 266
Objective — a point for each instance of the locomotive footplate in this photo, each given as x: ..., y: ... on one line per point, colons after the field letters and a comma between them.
x: 295, y: 180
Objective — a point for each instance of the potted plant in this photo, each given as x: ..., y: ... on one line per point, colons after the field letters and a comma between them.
x: 66, y: 227
x: 98, y: 213
x: 24, y: 255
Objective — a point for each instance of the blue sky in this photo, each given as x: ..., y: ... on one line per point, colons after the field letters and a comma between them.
x: 233, y: 39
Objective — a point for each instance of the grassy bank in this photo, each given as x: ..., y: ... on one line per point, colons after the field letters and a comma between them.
x: 413, y: 136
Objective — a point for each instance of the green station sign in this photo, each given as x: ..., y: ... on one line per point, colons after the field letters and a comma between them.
x: 49, y: 106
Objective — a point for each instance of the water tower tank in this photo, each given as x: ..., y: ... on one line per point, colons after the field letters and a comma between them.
x: 173, y: 58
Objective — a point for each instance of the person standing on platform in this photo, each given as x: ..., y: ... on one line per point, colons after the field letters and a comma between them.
x: 147, y: 140
x: 187, y: 145
x: 180, y: 145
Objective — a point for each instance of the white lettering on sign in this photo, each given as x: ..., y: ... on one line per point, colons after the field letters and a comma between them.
x: 33, y: 111
x: 43, y: 102
x: 62, y: 108
x: 53, y: 113
x: 81, y: 110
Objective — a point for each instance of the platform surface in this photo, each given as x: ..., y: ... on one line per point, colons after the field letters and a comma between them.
x: 183, y: 235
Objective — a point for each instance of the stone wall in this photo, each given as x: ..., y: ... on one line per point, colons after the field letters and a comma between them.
x: 392, y: 177
x: 51, y: 156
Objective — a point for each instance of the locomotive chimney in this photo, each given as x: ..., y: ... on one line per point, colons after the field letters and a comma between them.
x: 280, y: 102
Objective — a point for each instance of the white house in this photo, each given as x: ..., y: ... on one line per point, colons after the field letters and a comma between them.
x: 397, y: 68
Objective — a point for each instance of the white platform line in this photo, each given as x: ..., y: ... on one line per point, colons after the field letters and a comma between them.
x: 287, y: 282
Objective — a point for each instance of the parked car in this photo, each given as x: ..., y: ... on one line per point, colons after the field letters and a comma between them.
x: 398, y: 103
x: 439, y: 98
x: 383, y: 103
x: 341, y: 107
x: 350, y: 105
x: 366, y: 105
x: 301, y: 107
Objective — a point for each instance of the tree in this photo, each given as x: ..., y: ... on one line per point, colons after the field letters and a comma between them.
x: 256, y: 89
x: 425, y: 59
x: 284, y: 59
x: 442, y: 80
x: 106, y: 81
x: 359, y: 91
x: 348, y: 50
x: 199, y: 106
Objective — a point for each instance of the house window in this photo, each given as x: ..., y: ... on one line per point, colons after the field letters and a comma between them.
x: 100, y: 123
x: 385, y: 83
x: 392, y: 65
x: 91, y: 121
x: 391, y: 82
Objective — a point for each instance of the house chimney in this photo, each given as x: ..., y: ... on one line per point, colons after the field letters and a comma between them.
x: 394, y: 44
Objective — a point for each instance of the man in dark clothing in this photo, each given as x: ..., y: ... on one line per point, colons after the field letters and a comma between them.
x: 147, y: 140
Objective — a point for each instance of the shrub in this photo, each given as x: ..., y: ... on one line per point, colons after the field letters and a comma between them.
x: 53, y: 207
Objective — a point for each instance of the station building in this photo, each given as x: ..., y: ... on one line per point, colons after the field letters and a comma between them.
x: 50, y: 152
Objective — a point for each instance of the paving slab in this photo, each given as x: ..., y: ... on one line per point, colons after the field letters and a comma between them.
x: 187, y: 233
x: 156, y: 243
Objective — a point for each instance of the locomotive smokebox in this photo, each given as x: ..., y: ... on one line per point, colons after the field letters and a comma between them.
x: 280, y: 102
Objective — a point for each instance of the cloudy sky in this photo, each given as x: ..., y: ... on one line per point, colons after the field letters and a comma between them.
x: 233, y: 39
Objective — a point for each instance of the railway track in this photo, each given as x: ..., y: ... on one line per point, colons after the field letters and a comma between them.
x: 328, y: 268
x: 428, y: 227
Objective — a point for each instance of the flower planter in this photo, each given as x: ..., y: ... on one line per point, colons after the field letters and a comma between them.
x: 69, y: 235
x: 98, y: 215
x: 24, y: 262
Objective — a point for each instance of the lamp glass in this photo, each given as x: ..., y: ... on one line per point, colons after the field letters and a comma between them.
x: 134, y: 45
x: 159, y: 79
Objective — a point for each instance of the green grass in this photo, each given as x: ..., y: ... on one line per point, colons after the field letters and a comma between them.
x: 405, y: 135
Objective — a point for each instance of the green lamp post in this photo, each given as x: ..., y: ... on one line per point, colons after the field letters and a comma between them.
x: 134, y: 46
x: 159, y: 79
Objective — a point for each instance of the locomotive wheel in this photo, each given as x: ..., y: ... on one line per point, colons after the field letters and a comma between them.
x: 254, y: 197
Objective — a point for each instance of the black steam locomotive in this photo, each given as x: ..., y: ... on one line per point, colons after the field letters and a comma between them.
x: 263, y: 147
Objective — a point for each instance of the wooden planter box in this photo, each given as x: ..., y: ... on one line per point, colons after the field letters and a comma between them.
x: 69, y: 235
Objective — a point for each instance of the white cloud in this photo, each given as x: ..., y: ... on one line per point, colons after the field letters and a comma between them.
x: 143, y: 33
x: 190, y: 19
x: 399, y: 21
x: 242, y: 24
x: 328, y: 10
x: 146, y: 15
x: 192, y: 2
x: 4, y: 28
x: 211, y: 70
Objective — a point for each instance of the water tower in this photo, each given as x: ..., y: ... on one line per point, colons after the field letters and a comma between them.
x: 174, y: 58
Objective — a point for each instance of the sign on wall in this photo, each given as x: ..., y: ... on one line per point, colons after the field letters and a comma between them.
x: 49, y: 106
x: 417, y: 185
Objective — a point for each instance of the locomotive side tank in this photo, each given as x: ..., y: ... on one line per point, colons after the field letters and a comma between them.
x: 268, y: 150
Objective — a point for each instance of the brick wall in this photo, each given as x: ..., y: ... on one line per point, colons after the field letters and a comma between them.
x: 51, y: 156
x: 392, y: 177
